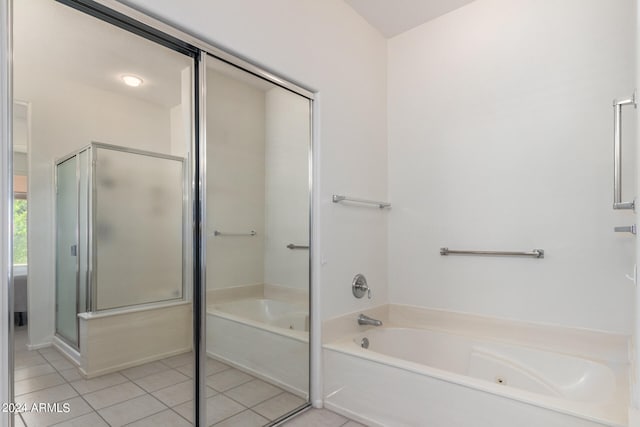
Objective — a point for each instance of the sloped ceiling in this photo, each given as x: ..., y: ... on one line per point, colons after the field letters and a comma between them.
x: 392, y: 17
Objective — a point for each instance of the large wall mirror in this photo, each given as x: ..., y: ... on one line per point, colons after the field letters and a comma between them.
x: 105, y: 139
x: 105, y: 310
x: 257, y: 203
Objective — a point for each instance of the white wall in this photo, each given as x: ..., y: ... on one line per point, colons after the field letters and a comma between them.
x: 327, y: 47
x: 235, y: 181
x: 500, y: 138
x: 287, y: 143
x: 87, y: 115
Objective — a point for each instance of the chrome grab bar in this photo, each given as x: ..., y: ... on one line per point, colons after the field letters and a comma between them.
x: 338, y: 198
x: 223, y: 233
x: 535, y: 253
x: 292, y: 246
x: 617, y: 152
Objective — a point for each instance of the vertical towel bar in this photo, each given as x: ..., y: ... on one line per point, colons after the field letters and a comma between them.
x: 617, y: 152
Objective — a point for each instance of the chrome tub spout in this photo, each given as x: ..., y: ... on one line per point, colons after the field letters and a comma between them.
x: 366, y: 320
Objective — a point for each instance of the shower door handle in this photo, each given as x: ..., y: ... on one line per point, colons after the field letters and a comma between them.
x: 74, y: 250
x: 617, y: 152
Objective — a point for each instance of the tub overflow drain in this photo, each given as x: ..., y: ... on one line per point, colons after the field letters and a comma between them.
x: 501, y: 380
x: 364, y: 343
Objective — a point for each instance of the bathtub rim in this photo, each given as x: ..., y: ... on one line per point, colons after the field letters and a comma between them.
x: 348, y: 347
x: 301, y: 336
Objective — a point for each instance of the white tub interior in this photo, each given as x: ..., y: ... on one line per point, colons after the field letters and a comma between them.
x: 589, y: 389
x: 529, y: 369
x: 279, y: 314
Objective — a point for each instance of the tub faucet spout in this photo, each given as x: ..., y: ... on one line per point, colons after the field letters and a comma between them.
x: 366, y: 320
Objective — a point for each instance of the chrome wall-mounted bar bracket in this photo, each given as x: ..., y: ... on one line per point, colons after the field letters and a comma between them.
x: 626, y: 229
x: 617, y: 151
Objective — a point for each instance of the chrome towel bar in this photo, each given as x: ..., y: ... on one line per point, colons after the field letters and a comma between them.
x: 338, y: 198
x: 535, y: 253
x: 224, y: 233
x: 292, y: 246
x: 617, y: 152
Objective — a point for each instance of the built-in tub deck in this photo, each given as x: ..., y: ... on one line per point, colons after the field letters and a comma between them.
x: 408, y: 373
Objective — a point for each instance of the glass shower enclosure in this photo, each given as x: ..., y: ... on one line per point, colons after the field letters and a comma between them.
x: 119, y: 232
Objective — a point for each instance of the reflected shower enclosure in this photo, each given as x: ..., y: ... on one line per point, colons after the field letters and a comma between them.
x: 119, y: 232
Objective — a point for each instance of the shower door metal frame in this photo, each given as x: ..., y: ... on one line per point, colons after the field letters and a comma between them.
x: 92, y: 283
x: 57, y: 163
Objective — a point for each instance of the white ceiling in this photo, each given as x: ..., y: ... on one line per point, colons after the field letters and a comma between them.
x: 53, y: 42
x: 392, y: 17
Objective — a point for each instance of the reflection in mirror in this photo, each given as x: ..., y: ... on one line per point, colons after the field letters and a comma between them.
x: 108, y: 335
x: 258, y: 150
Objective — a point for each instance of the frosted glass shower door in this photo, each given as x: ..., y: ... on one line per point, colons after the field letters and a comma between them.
x: 67, y: 250
x: 138, y: 237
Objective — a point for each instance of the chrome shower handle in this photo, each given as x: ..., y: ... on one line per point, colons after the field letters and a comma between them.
x: 617, y: 152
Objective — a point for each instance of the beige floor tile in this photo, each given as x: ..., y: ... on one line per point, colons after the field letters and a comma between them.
x: 50, y: 353
x: 175, y: 394
x: 185, y: 410
x: 179, y: 360
x: 37, y: 419
x: 227, y: 379
x: 186, y: 369
x: 112, y: 395
x: 17, y: 421
x: 353, y: 424
x: 29, y: 359
x: 60, y: 393
x: 131, y: 410
x: 213, y: 367
x: 97, y: 383
x: 178, y: 393
x: 160, y: 380
x: 37, y: 383
x: 70, y: 374
x: 166, y: 418
x: 317, y: 418
x: 91, y: 419
x: 247, y: 418
x: 253, y: 392
x: 278, y: 406
x: 33, y: 371
x: 219, y: 407
x: 144, y: 370
x: 61, y: 364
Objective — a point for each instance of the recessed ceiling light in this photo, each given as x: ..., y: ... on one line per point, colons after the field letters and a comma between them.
x: 131, y: 80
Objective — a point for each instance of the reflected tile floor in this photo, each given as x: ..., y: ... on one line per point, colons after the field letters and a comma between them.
x: 154, y: 394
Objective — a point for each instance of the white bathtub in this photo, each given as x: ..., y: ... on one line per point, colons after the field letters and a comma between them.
x: 267, y: 338
x: 279, y: 314
x: 415, y: 377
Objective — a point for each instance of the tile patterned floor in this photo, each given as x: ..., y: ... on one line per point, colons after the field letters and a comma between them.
x: 154, y: 394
